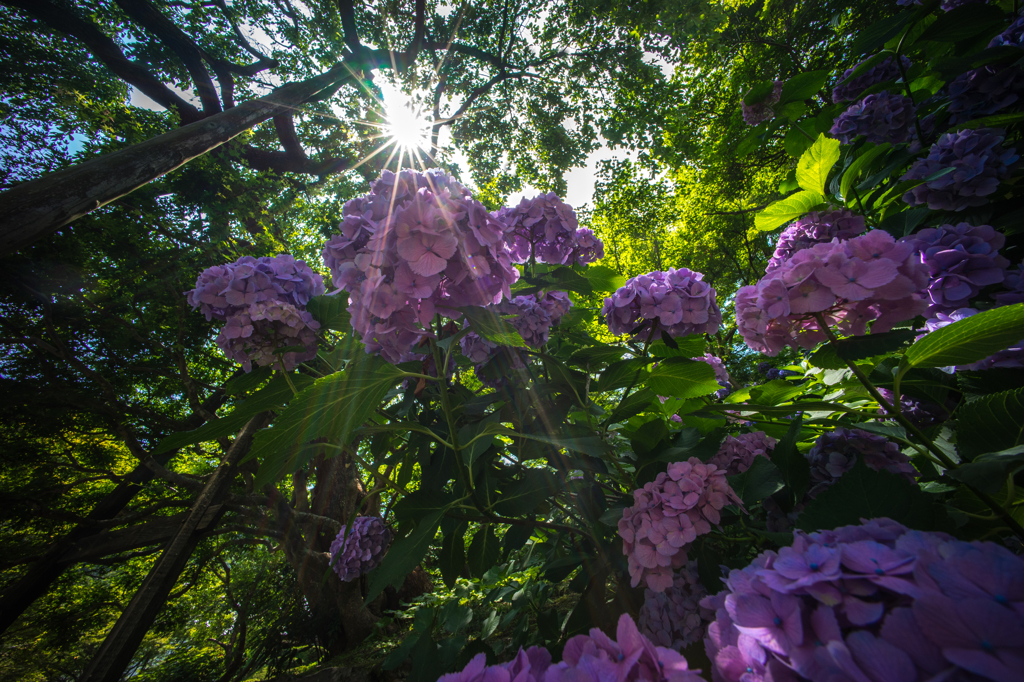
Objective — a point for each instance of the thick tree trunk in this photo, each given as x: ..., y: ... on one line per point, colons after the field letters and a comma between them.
x: 37, y: 208
x: 121, y: 642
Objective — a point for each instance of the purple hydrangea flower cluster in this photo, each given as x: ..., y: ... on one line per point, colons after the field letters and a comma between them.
x: 672, y: 618
x: 885, y: 70
x: 1012, y: 357
x: 881, y: 117
x: 416, y: 246
x: 667, y: 515
x: 962, y: 259
x: 876, y: 602
x: 980, y: 163
x: 630, y: 657
x: 533, y: 320
x: 737, y: 453
x: 946, y: 5
x: 263, y: 303
x: 870, y: 278
x: 762, y: 111
x: 983, y: 92
x: 836, y: 452
x: 920, y: 413
x: 1013, y: 287
x: 362, y: 550
x: 1013, y: 36
x: 677, y: 302
x: 815, y: 228
x: 545, y: 229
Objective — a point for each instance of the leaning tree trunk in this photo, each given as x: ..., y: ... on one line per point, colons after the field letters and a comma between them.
x: 121, y: 642
x: 39, y: 207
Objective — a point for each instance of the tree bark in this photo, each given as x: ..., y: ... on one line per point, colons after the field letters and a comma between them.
x: 42, y: 206
x: 124, y: 638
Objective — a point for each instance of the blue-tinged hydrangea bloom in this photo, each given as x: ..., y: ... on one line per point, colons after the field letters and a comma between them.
x: 885, y: 70
x: 361, y: 550
x: 1013, y: 36
x: 979, y: 162
x: 672, y: 618
x: 984, y: 91
x: 737, y: 453
x: 882, y: 117
x: 836, y: 452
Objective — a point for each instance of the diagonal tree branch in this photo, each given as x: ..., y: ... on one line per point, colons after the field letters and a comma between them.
x: 348, y: 25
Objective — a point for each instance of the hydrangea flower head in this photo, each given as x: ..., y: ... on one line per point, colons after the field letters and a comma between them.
x: 885, y: 70
x: 721, y: 374
x: 984, y: 91
x: 762, y: 111
x: 533, y: 319
x: 867, y: 279
x: 962, y: 260
x: 1013, y: 36
x: 667, y: 515
x: 361, y: 549
x: 836, y: 452
x: 881, y: 117
x: 546, y: 230
x: 677, y: 302
x: 1013, y: 287
x: 979, y: 162
x: 263, y: 304
x: 815, y: 228
x: 920, y: 413
x: 417, y: 245
x: 589, y: 248
x: 737, y: 453
x: 873, y: 602
x: 672, y: 618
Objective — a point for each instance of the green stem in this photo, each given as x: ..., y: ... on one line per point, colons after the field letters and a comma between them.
x: 906, y: 85
x: 643, y: 356
x: 287, y: 378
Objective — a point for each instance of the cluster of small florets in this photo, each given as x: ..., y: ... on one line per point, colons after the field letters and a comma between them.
x: 871, y: 278
x: 737, y: 453
x: 667, y: 515
x: 815, y: 228
x: 1013, y: 287
x: 872, y: 602
x: 672, y: 618
x: 1012, y: 357
x: 533, y: 320
x: 677, y: 302
x: 721, y: 374
x: 849, y: 90
x: 545, y: 229
x: 630, y: 657
x: 962, y: 260
x: 762, y: 111
x: 920, y: 413
x: 1013, y: 36
x: 983, y: 92
x: 836, y: 452
x: 881, y: 117
x: 416, y: 246
x: 263, y: 303
x: 980, y: 163
x: 361, y: 549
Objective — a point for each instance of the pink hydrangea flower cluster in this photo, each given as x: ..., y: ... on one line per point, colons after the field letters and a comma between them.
x: 836, y: 452
x: 361, y: 550
x: 533, y: 320
x: 876, y: 602
x: 881, y: 117
x: 870, y: 278
x: 815, y: 228
x: 418, y: 245
x: 677, y: 302
x: 545, y: 229
x: 596, y: 657
x: 667, y: 515
x: 672, y: 618
x: 885, y: 70
x: 263, y: 303
x: 962, y: 260
x: 737, y: 453
x: 762, y: 111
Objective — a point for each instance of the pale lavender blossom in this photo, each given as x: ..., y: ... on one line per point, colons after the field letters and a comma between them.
x: 881, y: 117
x: 361, y: 549
x: 885, y: 70
x: 545, y: 230
x: 588, y: 247
x: 815, y: 228
x: 836, y: 452
x: 737, y: 453
x: 677, y: 302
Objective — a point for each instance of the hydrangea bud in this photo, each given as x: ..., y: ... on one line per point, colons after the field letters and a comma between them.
x: 872, y: 602
x: 762, y: 111
x: 849, y: 90
x: 361, y: 549
x: 737, y: 453
x: 672, y: 618
x: 545, y: 229
x: 870, y: 278
x: 980, y: 163
x: 815, y: 228
x: 263, y: 304
x: 836, y: 452
x: 962, y: 259
x: 881, y: 117
x: 677, y: 302
x: 667, y: 515
x: 417, y: 245
x: 983, y: 92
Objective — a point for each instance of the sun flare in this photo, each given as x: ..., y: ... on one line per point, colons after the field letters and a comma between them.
x: 407, y: 125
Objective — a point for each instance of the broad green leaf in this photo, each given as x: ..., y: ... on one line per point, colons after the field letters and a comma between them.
x: 454, y: 616
x: 803, y: 86
x: 636, y: 403
x: 522, y: 496
x: 682, y: 378
x: 331, y: 311
x: 815, y: 164
x: 484, y: 551
x: 903, y: 223
x: 990, y: 381
x: 515, y: 539
x: 965, y: 22
x: 785, y: 210
x: 603, y: 279
x: 988, y: 472
x: 588, y: 445
x: 758, y: 93
x: 797, y: 141
x: 242, y: 383
x: 422, y: 502
x: 761, y: 480
x: 490, y: 326
x: 991, y: 423
x: 859, y: 165
x: 881, y: 32
x: 403, y: 555
x: 970, y: 339
x: 832, y: 355
x: 451, y: 559
x: 775, y: 392
x: 332, y: 408
x: 597, y: 355
x: 567, y: 279
x: 997, y: 121
x: 687, y: 347
x: 620, y: 374
x: 792, y: 466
